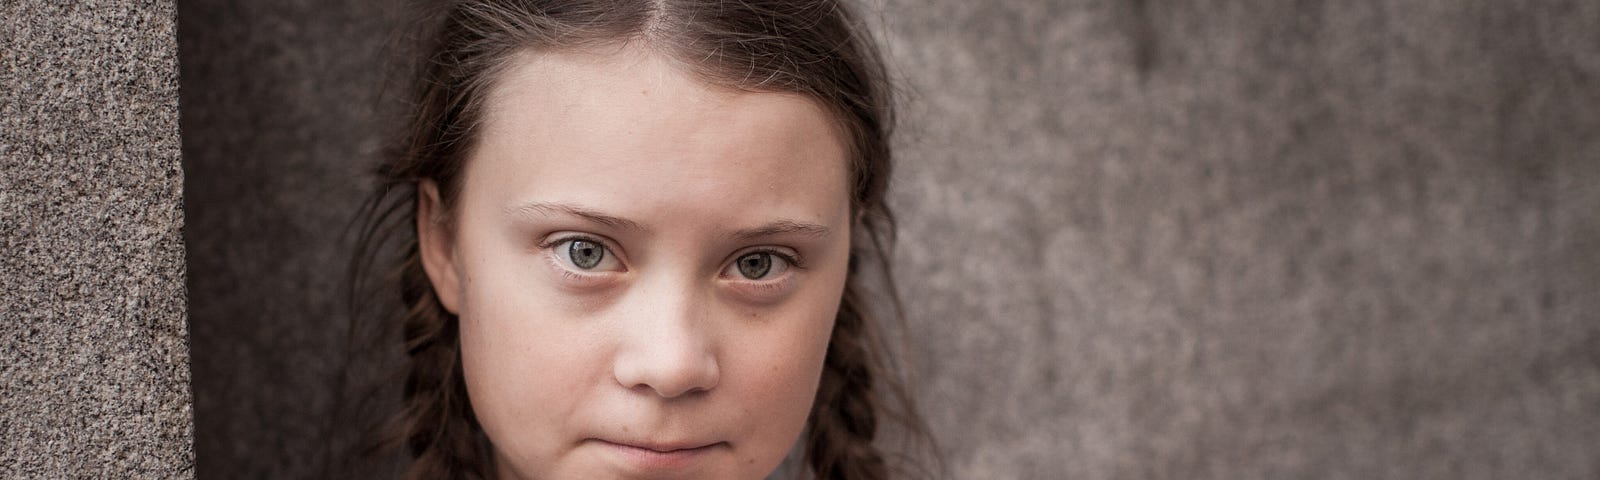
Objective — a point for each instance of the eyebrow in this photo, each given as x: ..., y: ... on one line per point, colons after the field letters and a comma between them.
x: 780, y: 227
x: 554, y: 209
x: 783, y: 227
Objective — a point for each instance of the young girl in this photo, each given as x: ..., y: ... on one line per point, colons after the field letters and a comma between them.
x: 638, y: 230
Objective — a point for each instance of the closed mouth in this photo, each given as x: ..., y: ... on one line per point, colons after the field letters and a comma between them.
x: 660, y: 456
x: 662, y: 447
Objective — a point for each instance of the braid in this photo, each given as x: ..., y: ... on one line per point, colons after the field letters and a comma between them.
x: 436, y: 420
x: 844, y: 418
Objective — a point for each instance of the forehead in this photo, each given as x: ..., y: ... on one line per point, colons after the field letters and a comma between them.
x: 627, y: 127
x: 627, y: 82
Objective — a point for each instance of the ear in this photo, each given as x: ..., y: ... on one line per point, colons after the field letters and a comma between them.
x: 436, y: 240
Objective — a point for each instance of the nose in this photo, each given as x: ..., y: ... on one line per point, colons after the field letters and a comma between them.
x: 667, y: 348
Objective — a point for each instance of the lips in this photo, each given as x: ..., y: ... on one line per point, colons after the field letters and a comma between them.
x: 659, y: 455
x: 662, y: 447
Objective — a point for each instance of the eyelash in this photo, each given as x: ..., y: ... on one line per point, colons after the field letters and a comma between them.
x: 548, y: 248
x: 764, y: 289
x: 551, y: 243
x: 766, y: 286
x: 792, y: 259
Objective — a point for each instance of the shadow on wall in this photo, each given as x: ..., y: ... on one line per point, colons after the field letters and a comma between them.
x: 1142, y: 239
x: 281, y: 118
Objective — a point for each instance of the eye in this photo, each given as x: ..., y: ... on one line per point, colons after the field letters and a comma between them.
x: 758, y: 266
x: 585, y: 255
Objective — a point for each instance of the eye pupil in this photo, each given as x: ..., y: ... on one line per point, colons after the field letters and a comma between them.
x: 755, y: 265
x: 585, y: 254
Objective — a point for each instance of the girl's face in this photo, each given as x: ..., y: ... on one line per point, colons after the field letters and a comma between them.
x: 646, y: 268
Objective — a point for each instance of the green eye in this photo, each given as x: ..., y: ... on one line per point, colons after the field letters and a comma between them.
x: 755, y: 266
x: 585, y: 254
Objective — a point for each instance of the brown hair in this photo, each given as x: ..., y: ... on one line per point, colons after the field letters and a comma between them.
x: 814, y: 48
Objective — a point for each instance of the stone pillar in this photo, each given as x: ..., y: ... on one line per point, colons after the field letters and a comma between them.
x: 94, y: 362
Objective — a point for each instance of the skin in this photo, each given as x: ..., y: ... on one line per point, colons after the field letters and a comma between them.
x: 663, y: 360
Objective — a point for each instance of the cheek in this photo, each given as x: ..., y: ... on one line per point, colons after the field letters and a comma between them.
x: 779, y: 360
x: 526, y: 370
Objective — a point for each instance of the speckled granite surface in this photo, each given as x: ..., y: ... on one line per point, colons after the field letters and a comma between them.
x: 94, y: 364
x: 1142, y: 240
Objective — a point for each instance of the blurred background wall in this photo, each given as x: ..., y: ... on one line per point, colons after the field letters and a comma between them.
x: 1207, y: 239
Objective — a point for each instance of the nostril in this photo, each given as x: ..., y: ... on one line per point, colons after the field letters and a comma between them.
x: 669, y: 349
x: 668, y: 377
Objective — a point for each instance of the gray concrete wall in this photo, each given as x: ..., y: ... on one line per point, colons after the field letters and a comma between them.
x: 1140, y: 239
x: 94, y: 364
x: 1354, y: 239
